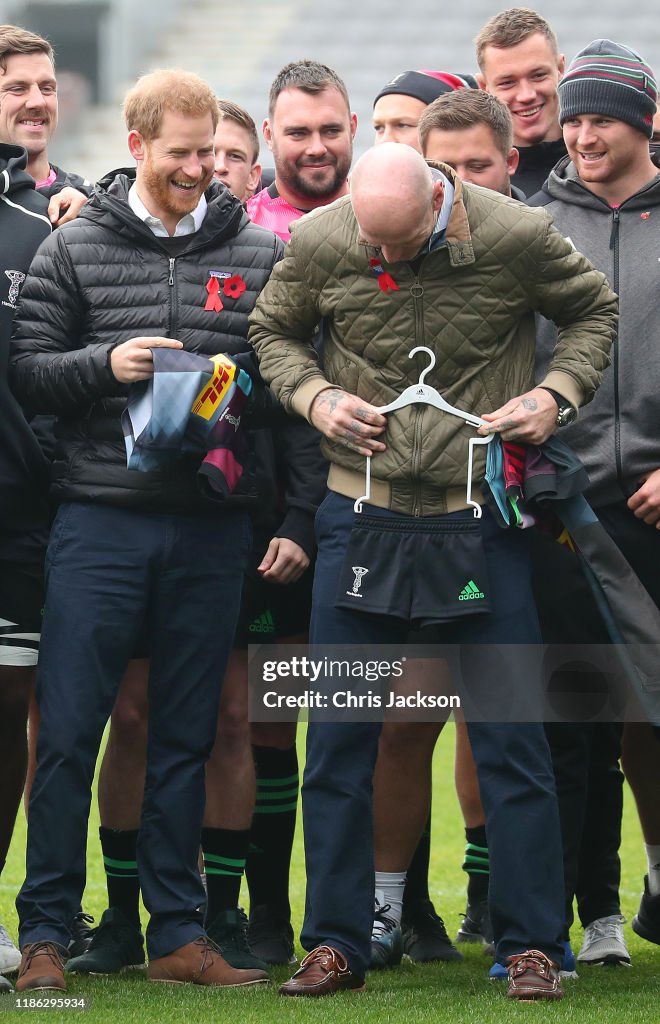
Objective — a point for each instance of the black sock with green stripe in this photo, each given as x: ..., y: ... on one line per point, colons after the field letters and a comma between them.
x: 121, y: 871
x: 273, y: 826
x: 224, y: 851
x: 476, y: 863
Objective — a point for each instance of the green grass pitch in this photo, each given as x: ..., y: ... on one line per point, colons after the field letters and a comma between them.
x: 456, y: 993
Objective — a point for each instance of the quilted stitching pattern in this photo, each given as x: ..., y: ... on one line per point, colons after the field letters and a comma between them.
x: 477, y: 315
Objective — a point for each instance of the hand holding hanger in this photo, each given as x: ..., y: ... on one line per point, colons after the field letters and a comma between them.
x: 350, y: 420
x: 425, y: 394
x: 530, y: 418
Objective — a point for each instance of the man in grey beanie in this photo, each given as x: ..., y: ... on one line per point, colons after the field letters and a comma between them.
x: 605, y: 196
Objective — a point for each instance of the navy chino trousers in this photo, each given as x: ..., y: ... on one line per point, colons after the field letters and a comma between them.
x: 112, y: 574
x: 513, y: 764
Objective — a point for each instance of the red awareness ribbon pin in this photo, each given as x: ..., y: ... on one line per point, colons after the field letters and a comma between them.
x: 386, y: 282
x: 214, y: 302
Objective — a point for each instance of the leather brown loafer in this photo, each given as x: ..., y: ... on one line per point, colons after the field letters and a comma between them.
x: 42, y: 968
x: 323, y: 972
x: 533, y: 975
x: 201, y: 963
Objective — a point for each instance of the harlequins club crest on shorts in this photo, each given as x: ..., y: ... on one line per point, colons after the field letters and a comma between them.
x: 359, y: 572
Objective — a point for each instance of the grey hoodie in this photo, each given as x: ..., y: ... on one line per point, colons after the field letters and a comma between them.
x: 617, y: 435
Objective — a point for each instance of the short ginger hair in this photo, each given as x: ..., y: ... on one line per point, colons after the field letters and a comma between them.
x: 159, y: 91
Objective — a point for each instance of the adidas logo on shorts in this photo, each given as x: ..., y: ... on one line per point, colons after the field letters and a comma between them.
x: 262, y: 624
x: 470, y: 592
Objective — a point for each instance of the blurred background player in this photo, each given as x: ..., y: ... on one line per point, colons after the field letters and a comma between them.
x: 237, y: 151
x: 400, y: 104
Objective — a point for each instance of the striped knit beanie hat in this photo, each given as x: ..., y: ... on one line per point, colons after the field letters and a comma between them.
x: 426, y: 85
x: 612, y: 80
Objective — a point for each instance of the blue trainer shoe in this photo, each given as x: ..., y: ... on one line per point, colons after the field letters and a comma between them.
x: 386, y: 938
x: 568, y: 966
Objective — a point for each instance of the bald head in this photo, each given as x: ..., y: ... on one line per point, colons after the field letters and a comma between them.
x: 395, y: 200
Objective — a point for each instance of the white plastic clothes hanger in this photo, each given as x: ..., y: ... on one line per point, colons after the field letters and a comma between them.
x: 428, y: 395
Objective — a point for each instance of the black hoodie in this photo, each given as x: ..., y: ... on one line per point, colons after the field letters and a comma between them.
x: 23, y: 467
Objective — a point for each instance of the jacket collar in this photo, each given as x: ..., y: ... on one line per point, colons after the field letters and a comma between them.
x: 458, y: 237
x: 109, y: 204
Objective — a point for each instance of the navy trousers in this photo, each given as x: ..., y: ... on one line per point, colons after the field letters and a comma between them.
x: 513, y: 764
x: 112, y: 574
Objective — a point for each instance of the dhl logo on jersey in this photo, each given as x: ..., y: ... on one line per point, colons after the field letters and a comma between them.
x: 215, y: 390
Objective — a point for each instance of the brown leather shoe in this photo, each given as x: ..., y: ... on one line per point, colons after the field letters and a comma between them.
x: 533, y: 975
x: 323, y: 972
x: 41, y: 967
x: 200, y: 963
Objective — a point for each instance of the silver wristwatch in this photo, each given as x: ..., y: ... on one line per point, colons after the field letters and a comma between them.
x: 566, y: 412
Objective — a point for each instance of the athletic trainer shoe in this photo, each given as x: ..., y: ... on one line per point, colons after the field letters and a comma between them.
x: 386, y: 940
x: 229, y: 932
x: 604, y: 943
x: 116, y: 945
x: 476, y: 927
x: 10, y: 956
x: 81, y: 933
x: 270, y: 935
x: 646, y: 922
x: 424, y: 934
x: 568, y: 965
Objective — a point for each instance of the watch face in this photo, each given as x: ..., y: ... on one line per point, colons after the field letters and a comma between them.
x: 567, y: 414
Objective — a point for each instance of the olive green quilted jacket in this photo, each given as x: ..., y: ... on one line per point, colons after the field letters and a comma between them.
x: 471, y: 301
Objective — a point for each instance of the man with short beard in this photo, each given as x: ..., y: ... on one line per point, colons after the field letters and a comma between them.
x: 310, y: 130
x: 135, y: 552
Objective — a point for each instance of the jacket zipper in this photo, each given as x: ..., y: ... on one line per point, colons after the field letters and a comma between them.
x: 417, y: 293
x: 170, y: 281
x: 614, y: 245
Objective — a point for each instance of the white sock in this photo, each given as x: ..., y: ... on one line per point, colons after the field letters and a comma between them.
x: 653, y: 855
x: 389, y: 893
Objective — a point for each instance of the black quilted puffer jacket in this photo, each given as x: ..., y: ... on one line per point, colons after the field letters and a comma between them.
x: 105, y: 278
